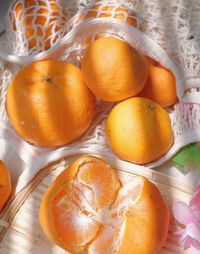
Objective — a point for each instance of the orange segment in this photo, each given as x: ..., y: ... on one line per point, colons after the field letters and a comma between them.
x: 143, y: 225
x: 74, y: 228
x: 106, y: 240
x: 146, y: 222
x: 97, y: 176
x: 73, y: 204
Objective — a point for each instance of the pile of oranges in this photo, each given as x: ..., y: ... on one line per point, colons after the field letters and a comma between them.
x: 51, y: 103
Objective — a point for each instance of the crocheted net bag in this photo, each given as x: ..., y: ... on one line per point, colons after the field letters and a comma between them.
x: 185, y: 115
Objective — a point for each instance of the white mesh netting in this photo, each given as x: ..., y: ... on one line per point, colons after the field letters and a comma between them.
x: 35, y: 26
x: 170, y: 25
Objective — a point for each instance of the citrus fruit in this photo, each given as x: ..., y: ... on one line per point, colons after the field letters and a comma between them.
x: 88, y: 208
x: 139, y: 130
x: 108, y: 9
x: 48, y: 103
x: 113, y: 70
x: 160, y: 86
x: 70, y: 207
x: 139, y: 221
x: 39, y: 22
x: 5, y: 185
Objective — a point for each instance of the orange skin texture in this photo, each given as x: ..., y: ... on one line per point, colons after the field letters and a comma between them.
x: 139, y: 130
x: 160, y: 86
x: 35, y: 15
x: 113, y: 70
x: 5, y: 185
x: 48, y: 103
x: 145, y: 222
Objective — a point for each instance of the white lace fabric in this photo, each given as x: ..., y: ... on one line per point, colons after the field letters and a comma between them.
x: 170, y: 34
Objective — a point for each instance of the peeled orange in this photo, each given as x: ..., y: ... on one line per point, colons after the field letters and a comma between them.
x: 48, y: 104
x: 5, y: 185
x: 139, y: 130
x: 71, y: 205
x: 88, y: 208
x: 160, y: 86
x: 113, y: 70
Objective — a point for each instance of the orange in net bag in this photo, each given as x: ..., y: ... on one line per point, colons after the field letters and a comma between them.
x: 106, y: 9
x: 38, y: 24
x: 88, y: 208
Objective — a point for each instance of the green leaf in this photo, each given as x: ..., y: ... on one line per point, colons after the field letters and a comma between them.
x: 187, y: 155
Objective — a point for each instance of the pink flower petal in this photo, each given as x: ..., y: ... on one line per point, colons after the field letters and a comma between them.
x: 197, y: 189
x: 185, y: 240
x: 193, y: 231
x: 183, y: 214
x: 195, y: 205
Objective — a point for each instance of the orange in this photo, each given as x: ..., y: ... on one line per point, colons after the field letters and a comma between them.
x: 140, y: 221
x: 139, y: 130
x: 5, y: 185
x: 48, y: 103
x: 39, y: 19
x: 77, y: 195
x: 87, y: 208
x: 113, y: 70
x: 109, y: 9
x: 106, y: 9
x: 160, y: 86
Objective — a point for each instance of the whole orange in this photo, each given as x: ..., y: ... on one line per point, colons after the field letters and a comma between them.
x: 139, y: 130
x: 5, y: 185
x: 48, y: 103
x: 87, y: 208
x: 39, y: 19
x: 113, y: 70
x: 160, y: 86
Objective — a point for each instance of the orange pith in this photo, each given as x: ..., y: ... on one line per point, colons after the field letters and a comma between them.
x: 5, y: 185
x: 48, y: 103
x: 87, y: 208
